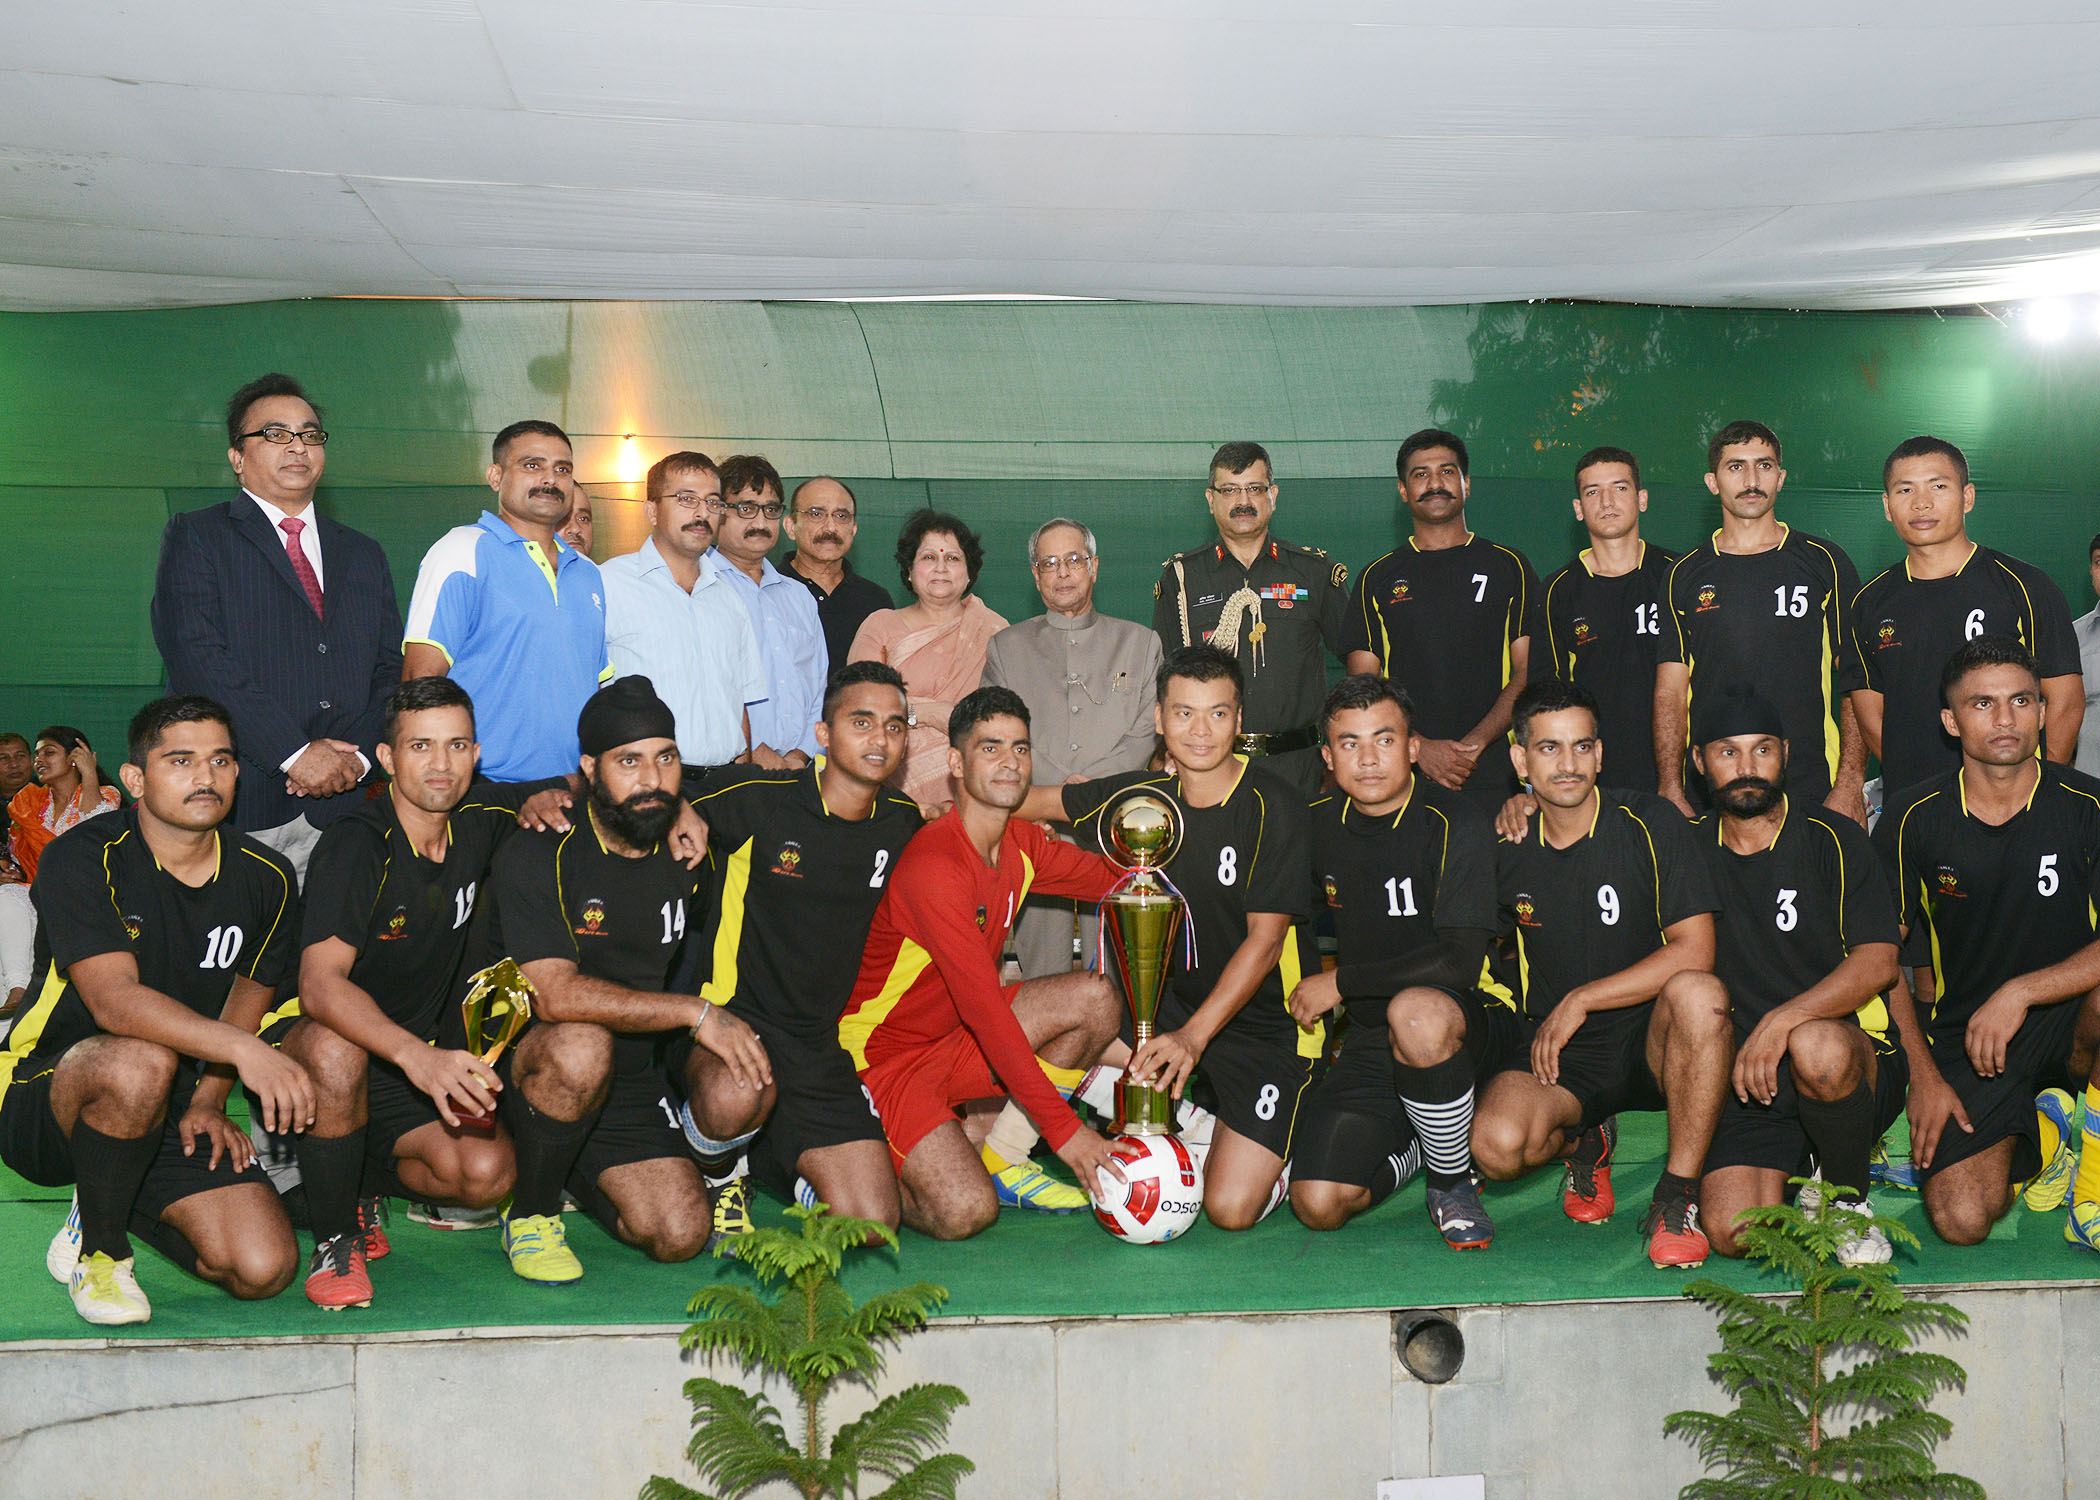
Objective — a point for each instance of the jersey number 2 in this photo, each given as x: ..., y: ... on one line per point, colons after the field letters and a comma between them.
x: 882, y: 862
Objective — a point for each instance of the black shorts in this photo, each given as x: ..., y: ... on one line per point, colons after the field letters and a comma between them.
x: 1353, y: 1121
x: 393, y: 1108
x: 639, y: 1123
x: 32, y: 1145
x: 1258, y: 1083
x: 2002, y: 1108
x: 1771, y: 1136
x: 1604, y: 1065
x: 818, y: 1101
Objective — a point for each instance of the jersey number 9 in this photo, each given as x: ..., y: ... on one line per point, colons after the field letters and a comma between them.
x: 1608, y: 906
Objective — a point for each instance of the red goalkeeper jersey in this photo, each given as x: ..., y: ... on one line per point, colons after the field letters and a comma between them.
x: 932, y: 960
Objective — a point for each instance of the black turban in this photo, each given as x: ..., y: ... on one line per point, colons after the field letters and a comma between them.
x: 621, y: 713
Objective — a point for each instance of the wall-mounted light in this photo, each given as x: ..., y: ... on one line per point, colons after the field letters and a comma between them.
x: 630, y: 465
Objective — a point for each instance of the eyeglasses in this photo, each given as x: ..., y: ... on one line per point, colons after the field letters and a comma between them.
x: 748, y: 509
x: 282, y: 436
x: 820, y: 515
x: 1235, y: 491
x: 1076, y: 561
x: 692, y: 500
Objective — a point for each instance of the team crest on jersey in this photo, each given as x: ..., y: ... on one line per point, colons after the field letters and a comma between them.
x: 593, y: 918
x: 1947, y: 881
x: 789, y: 860
x: 1709, y: 598
x: 982, y: 917
x: 1583, y: 633
x: 133, y: 927
x: 1401, y: 593
x: 395, y: 925
x: 1885, y: 635
x: 1527, y: 913
x: 1334, y: 892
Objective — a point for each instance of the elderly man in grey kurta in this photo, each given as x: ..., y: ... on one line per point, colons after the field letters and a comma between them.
x: 1088, y: 680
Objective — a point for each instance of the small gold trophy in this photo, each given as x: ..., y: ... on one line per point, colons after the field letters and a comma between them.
x: 1140, y: 917
x: 498, y: 1006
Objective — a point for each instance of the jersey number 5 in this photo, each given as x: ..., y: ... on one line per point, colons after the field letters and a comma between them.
x: 2044, y: 878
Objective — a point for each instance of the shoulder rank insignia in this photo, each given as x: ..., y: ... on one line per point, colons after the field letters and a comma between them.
x: 1340, y: 575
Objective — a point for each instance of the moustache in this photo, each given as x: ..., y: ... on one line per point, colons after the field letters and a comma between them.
x: 1438, y: 495
x: 1753, y: 493
x: 1245, y: 510
x: 550, y: 491
x: 827, y: 536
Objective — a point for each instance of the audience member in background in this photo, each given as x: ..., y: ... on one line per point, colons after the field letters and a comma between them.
x: 284, y: 616
x: 822, y: 520
x: 1602, y: 616
x: 1761, y: 603
x: 70, y: 788
x: 17, y: 769
x: 2088, y: 628
x: 938, y: 642
x: 1268, y: 604
x: 514, y: 615
x: 672, y: 616
x: 17, y: 915
x: 1450, y: 616
x: 581, y: 529
x: 1948, y: 590
x: 1087, y: 680
x: 791, y: 648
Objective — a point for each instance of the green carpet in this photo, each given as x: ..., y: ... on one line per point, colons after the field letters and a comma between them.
x: 1027, y: 1265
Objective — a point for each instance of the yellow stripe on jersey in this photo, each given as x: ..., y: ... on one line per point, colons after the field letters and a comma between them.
x: 1290, y: 967
x: 284, y: 900
x: 289, y: 1011
x: 1654, y: 863
x: 30, y: 1028
x: 719, y: 988
x: 858, y: 1024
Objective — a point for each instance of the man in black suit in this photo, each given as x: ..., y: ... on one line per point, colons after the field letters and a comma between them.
x: 287, y: 618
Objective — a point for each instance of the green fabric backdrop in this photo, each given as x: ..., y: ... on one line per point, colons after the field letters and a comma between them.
x: 1005, y: 413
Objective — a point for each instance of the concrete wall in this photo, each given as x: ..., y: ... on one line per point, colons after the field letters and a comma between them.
x: 1563, y: 1401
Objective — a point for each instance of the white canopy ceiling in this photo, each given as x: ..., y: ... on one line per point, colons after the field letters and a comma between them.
x: 1329, y: 151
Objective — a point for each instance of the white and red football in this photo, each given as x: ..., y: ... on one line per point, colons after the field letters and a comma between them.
x: 1162, y: 1193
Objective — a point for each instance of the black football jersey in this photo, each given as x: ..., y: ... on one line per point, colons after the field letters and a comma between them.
x: 1602, y: 634
x: 1984, y: 903
x: 795, y: 889
x: 100, y: 890
x: 1249, y: 853
x: 1792, y: 912
x: 1601, y: 904
x: 1394, y: 883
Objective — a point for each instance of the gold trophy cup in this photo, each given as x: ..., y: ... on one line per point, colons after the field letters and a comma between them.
x: 497, y: 1007
x: 1140, y: 919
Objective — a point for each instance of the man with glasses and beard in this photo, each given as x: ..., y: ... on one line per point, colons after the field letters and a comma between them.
x: 1806, y: 942
x: 594, y: 917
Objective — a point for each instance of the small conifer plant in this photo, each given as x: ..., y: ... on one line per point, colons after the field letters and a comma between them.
x: 1802, y: 1429
x: 812, y: 1337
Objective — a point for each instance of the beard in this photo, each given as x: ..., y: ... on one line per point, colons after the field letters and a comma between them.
x: 641, y: 821
x: 1750, y: 796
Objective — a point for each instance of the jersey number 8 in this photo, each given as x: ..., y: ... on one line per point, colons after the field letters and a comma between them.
x: 1228, y: 865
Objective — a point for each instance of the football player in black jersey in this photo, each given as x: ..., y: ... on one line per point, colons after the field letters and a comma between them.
x: 160, y: 937
x: 595, y: 918
x: 1997, y: 867
x: 1407, y: 868
x: 1807, y: 946
x: 391, y: 892
x: 1611, y: 906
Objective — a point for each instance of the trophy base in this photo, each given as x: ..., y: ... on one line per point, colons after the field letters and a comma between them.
x: 1143, y: 1111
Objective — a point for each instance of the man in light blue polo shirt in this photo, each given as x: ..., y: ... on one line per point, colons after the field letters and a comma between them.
x: 671, y: 616
x: 790, y: 633
x: 513, y: 614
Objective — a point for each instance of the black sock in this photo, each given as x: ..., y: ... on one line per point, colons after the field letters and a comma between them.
x: 547, y: 1151
x: 330, y: 1168
x: 1400, y: 1166
x: 1670, y: 1185
x: 1842, y: 1131
x: 1439, y: 1104
x: 107, y: 1171
x: 167, y: 1239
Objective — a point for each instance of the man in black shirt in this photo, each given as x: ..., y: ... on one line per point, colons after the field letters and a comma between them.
x: 1997, y: 865
x: 799, y: 861
x: 1806, y: 943
x: 1761, y: 603
x: 594, y: 918
x: 822, y: 520
x: 1450, y: 616
x: 390, y: 894
x: 161, y: 934
x: 1948, y: 590
x: 1408, y: 870
x: 1245, y: 867
x: 1602, y: 617
x: 1611, y: 906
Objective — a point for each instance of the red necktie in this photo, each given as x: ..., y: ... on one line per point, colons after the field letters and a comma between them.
x: 300, y: 566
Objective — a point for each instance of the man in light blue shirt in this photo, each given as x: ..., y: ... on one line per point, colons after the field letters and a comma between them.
x: 514, y: 615
x: 671, y: 615
x: 2087, y: 627
x: 790, y: 634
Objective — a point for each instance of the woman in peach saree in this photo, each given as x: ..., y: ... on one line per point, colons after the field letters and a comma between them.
x: 937, y: 642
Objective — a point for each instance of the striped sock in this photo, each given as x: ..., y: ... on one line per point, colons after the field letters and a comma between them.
x: 2086, y: 1189
x: 1439, y: 1104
